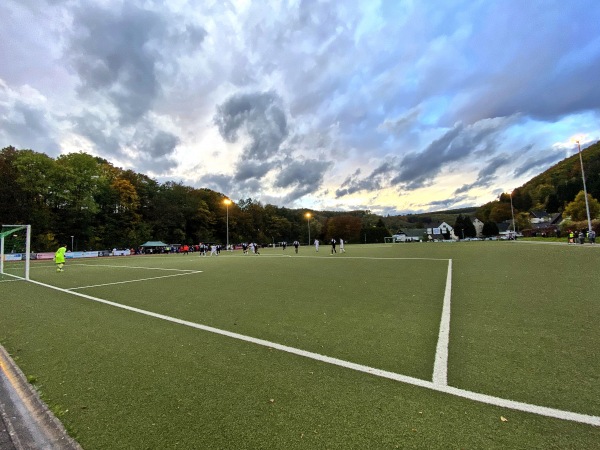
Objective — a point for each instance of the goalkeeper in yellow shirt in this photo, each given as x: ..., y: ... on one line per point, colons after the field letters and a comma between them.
x: 59, y: 258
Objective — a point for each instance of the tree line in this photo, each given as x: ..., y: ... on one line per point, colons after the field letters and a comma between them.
x: 85, y: 199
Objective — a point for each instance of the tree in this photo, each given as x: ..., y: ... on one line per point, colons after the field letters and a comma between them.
x: 464, y: 228
x: 522, y: 221
x: 77, y: 176
x: 540, y: 195
x: 577, y: 210
x: 490, y: 229
x: 521, y: 200
x: 500, y: 212
x: 345, y: 227
x: 12, y: 209
x: 375, y: 233
x: 552, y: 204
x: 36, y: 194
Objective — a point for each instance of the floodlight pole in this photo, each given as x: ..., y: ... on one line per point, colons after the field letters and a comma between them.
x: 227, y: 203
x: 308, y: 223
x: 27, y: 251
x: 587, y: 206
x: 72, y: 245
x: 512, y: 212
x: 1, y: 254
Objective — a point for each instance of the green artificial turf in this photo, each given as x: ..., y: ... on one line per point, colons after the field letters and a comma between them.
x: 523, y: 327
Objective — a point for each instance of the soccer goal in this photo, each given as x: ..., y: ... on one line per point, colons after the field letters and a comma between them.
x: 15, y: 251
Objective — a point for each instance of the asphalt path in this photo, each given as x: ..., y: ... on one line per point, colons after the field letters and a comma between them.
x: 25, y: 421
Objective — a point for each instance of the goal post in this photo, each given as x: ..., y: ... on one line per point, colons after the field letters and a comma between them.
x: 15, y: 251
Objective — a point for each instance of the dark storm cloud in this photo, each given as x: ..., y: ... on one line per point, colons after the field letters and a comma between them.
x: 111, y: 53
x: 121, y: 55
x: 155, y: 148
x: 119, y: 52
x: 308, y: 173
x: 152, y: 147
x: 248, y: 170
x: 303, y: 176
x: 236, y: 189
x: 419, y: 169
x: 538, y: 164
x: 543, y: 74
x: 162, y: 144
x: 494, y: 164
x: 217, y: 182
x: 260, y: 115
x: 445, y: 204
x: 373, y: 182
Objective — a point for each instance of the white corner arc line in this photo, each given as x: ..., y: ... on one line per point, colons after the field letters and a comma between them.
x: 440, y: 367
x: 481, y: 398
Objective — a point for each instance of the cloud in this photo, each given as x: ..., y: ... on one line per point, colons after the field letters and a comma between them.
x: 111, y: 53
x: 27, y: 127
x: 447, y: 203
x: 153, y: 149
x: 543, y: 75
x: 373, y: 182
x: 289, y: 90
x: 305, y: 172
x: 418, y: 169
x: 402, y: 123
x: 250, y: 169
x: 487, y: 175
x: 260, y: 115
x: 98, y: 130
x: 249, y: 188
x: 120, y: 52
x: 458, y: 143
x: 537, y: 163
x: 25, y: 121
x: 145, y: 147
x: 121, y: 56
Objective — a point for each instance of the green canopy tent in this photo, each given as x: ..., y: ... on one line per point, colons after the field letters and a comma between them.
x: 154, y: 244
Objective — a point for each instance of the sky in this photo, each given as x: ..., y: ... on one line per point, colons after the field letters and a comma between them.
x: 399, y: 106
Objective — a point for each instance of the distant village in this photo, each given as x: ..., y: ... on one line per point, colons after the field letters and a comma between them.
x: 542, y: 224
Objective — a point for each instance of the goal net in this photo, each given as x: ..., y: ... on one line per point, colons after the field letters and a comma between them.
x: 15, y: 252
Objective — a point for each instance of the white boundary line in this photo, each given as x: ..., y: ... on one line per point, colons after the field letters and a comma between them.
x: 440, y: 368
x: 341, y: 258
x: 482, y: 398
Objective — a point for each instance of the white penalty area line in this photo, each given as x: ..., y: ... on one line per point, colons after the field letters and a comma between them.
x: 440, y: 368
x: 133, y: 267
x: 12, y: 280
x: 482, y: 398
x: 136, y: 280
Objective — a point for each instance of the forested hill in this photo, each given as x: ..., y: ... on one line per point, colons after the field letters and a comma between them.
x: 553, y: 189
x: 86, y: 200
